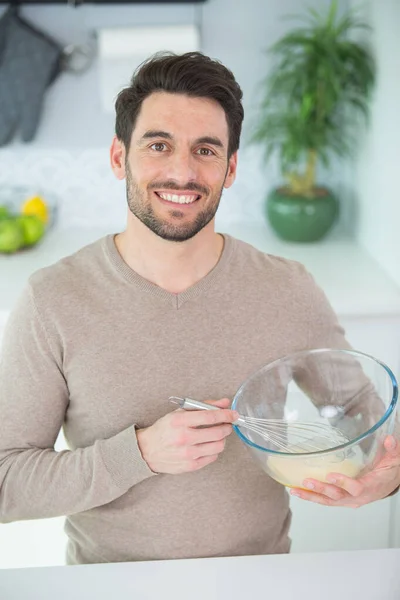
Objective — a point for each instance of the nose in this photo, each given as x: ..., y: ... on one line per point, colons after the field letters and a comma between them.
x: 181, y: 167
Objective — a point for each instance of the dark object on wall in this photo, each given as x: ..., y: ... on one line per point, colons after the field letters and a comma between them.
x: 110, y: 2
x: 30, y: 61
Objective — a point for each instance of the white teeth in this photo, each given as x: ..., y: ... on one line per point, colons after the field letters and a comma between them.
x: 179, y: 199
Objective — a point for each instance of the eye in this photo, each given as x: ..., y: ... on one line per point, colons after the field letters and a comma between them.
x: 158, y: 146
x: 205, y: 152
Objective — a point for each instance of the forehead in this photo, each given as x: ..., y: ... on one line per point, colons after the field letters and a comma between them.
x: 181, y: 115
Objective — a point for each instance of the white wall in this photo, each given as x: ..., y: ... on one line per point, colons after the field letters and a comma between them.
x: 378, y: 167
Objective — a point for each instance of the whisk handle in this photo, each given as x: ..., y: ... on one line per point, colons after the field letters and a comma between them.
x: 190, y: 404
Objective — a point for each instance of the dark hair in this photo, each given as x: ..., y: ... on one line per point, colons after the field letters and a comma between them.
x: 192, y: 74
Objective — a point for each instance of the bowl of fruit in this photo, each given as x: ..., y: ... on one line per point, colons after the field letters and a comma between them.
x: 25, y: 217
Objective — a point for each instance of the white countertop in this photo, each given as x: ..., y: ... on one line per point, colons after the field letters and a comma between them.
x: 369, y: 574
x: 353, y: 282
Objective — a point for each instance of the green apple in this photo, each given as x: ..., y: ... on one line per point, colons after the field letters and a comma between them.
x: 4, y: 212
x: 11, y: 236
x: 33, y: 229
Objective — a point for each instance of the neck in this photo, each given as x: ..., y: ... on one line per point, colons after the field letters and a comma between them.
x: 173, y: 266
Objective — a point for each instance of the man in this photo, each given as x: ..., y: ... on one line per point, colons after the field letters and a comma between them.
x: 99, y: 341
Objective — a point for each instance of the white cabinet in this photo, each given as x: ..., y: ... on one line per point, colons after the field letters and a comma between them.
x: 39, y: 543
x: 395, y: 522
x: 319, y: 528
x: 3, y: 319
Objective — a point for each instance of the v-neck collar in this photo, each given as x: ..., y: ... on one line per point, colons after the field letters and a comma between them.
x: 176, y: 300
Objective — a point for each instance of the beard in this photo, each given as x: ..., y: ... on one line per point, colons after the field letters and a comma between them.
x: 142, y: 209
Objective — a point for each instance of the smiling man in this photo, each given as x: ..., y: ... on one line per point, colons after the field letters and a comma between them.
x: 99, y: 341
x: 176, y: 165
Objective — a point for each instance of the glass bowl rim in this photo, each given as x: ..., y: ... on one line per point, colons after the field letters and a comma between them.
x: 390, y: 409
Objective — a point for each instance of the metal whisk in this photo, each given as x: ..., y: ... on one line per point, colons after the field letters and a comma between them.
x: 299, y: 436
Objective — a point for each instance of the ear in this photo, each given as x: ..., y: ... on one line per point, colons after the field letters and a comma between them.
x: 117, y: 158
x: 231, y: 172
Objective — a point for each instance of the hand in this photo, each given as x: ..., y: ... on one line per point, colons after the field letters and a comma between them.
x: 353, y: 493
x: 174, y: 444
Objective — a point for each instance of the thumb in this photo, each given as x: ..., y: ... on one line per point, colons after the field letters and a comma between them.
x: 392, y: 456
x: 391, y: 445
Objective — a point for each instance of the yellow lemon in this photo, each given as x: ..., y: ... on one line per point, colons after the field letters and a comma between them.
x: 36, y: 206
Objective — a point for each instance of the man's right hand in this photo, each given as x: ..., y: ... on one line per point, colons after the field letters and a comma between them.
x: 174, y: 444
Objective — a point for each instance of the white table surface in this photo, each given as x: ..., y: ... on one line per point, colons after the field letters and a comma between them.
x: 353, y: 282
x: 362, y: 575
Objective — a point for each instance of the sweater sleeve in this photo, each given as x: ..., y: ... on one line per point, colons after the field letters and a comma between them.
x: 35, y: 480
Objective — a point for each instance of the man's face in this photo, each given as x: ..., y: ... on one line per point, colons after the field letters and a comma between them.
x: 177, y: 165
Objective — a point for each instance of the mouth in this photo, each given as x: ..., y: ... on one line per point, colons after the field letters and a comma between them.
x: 178, y: 199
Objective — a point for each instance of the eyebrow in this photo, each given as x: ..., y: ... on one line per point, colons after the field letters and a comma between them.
x: 206, y: 139
x: 153, y: 133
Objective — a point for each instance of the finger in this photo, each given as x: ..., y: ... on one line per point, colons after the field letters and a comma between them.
x: 312, y: 497
x: 330, y: 491
x: 209, y: 449
x: 392, y: 446
x: 198, y: 418
x: 390, y: 443
x: 223, y: 403
x: 354, y: 487
x: 391, y: 457
x: 391, y: 454
x: 208, y: 434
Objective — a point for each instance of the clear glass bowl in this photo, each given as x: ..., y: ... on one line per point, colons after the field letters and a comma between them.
x: 351, y: 391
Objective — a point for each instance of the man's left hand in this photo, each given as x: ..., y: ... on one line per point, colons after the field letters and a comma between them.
x: 353, y: 493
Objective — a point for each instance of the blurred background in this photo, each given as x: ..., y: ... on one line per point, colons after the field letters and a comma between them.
x: 54, y: 167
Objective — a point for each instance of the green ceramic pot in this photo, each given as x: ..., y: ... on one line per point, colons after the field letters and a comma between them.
x: 301, y: 219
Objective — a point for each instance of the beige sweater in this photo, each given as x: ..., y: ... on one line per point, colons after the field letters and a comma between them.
x: 96, y: 349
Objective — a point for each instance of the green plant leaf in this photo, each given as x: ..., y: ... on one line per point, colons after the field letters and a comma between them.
x: 332, y: 14
x: 319, y: 81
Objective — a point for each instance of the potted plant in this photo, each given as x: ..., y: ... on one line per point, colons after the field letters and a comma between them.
x: 319, y: 84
